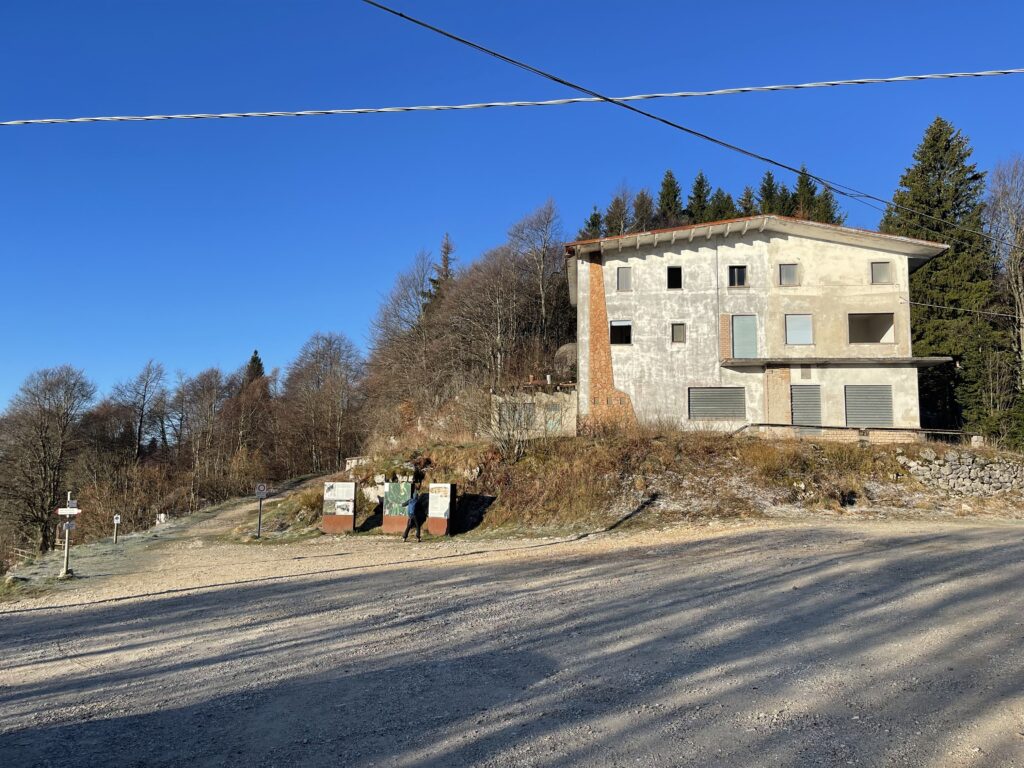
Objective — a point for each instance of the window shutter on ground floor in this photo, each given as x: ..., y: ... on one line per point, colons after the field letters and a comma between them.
x: 718, y: 403
x: 869, y: 405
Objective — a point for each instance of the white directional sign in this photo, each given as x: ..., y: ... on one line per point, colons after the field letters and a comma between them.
x: 69, y: 511
x: 261, y: 490
x: 117, y: 519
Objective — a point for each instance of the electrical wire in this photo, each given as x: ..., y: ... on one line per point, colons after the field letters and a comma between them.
x: 841, y: 189
x: 959, y: 309
x: 501, y: 104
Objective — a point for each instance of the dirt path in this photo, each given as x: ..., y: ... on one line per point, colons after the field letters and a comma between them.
x: 877, y: 644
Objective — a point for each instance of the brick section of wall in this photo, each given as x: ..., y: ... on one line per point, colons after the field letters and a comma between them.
x: 777, y: 397
x: 607, y: 404
x: 724, y: 337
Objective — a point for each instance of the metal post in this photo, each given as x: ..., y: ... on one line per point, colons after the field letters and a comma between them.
x: 259, y: 520
x: 66, y: 571
x: 115, y: 533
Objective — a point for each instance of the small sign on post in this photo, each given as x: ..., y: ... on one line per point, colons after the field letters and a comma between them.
x: 117, y: 522
x: 261, y: 494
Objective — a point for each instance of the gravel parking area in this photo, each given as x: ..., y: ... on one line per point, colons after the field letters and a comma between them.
x: 771, y: 644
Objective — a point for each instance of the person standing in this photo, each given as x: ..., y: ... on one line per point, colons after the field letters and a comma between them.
x: 412, y: 519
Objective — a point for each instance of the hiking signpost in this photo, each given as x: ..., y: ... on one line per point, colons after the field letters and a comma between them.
x: 261, y: 494
x: 117, y: 522
x: 69, y: 512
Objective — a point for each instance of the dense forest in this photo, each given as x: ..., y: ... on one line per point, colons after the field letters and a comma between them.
x: 452, y: 330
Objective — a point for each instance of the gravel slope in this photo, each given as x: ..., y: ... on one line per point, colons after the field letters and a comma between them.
x: 871, y: 644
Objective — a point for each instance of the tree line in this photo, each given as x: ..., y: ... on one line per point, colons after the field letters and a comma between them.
x: 451, y: 332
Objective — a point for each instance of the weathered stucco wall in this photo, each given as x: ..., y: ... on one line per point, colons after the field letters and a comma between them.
x: 655, y: 373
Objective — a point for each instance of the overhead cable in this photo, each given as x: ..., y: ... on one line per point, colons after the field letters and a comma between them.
x: 842, y: 189
x: 500, y: 104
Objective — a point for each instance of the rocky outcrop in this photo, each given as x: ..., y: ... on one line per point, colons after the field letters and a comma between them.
x: 964, y: 473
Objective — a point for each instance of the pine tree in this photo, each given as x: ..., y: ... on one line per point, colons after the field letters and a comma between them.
x: 254, y: 368
x: 747, y: 203
x: 805, y: 197
x: 444, y: 270
x: 670, y: 202
x: 699, y: 201
x: 592, y: 227
x: 643, y: 211
x: 826, y: 209
x: 768, y: 194
x: 944, y: 184
x: 618, y: 219
x: 721, y: 206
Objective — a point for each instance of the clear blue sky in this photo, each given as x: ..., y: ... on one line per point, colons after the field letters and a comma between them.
x: 195, y: 242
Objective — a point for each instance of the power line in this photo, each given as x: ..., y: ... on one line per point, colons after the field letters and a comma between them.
x: 959, y: 309
x: 501, y: 104
x: 841, y: 189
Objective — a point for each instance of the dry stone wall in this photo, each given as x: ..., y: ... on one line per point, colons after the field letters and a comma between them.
x: 965, y: 473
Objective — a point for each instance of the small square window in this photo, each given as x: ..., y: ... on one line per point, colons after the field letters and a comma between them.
x: 675, y: 278
x: 798, y: 329
x: 678, y: 333
x: 881, y: 273
x: 737, y: 277
x: 624, y: 279
x: 621, y: 332
x: 788, y: 274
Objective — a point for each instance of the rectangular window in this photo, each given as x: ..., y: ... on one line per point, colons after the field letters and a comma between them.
x: 788, y: 274
x: 624, y: 279
x: 718, y: 403
x: 622, y: 332
x: 881, y: 273
x: 798, y: 329
x: 675, y: 278
x: 874, y: 328
x: 678, y: 333
x: 744, y: 336
x: 737, y: 277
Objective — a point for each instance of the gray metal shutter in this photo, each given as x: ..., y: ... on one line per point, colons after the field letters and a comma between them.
x: 718, y: 403
x: 806, y: 400
x: 868, y: 405
x: 744, y: 336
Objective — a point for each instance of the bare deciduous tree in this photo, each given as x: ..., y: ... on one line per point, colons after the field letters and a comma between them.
x: 1005, y: 214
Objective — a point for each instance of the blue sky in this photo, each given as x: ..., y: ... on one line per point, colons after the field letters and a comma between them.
x: 196, y: 242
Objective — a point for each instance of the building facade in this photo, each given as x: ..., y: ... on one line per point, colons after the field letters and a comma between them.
x: 762, y: 320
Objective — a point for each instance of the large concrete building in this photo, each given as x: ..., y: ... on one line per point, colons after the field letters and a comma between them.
x: 762, y: 320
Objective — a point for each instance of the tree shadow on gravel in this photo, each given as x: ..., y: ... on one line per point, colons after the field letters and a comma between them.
x: 793, y: 647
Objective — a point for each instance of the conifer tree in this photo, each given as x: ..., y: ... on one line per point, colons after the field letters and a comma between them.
x: 670, y: 202
x: 592, y: 227
x: 769, y: 193
x: 643, y: 211
x: 826, y: 209
x: 805, y: 196
x: 943, y: 183
x: 254, y: 368
x: 699, y: 201
x: 721, y: 206
x: 747, y: 202
x: 618, y: 218
x: 444, y: 269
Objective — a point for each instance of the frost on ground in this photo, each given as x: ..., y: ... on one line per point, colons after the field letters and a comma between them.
x: 768, y: 643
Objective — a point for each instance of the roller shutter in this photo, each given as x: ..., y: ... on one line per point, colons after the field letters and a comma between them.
x: 718, y: 403
x: 868, y: 405
x: 806, y: 404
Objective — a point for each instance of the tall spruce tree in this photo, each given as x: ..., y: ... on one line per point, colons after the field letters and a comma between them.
x: 670, y: 202
x: 747, y: 202
x: 592, y: 227
x: 444, y: 268
x: 826, y: 209
x: 769, y: 194
x: 643, y: 212
x: 618, y: 218
x: 943, y: 183
x: 805, y: 196
x: 254, y: 368
x: 721, y: 206
x: 698, y: 204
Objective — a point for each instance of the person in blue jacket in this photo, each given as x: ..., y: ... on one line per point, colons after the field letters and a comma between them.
x: 412, y: 519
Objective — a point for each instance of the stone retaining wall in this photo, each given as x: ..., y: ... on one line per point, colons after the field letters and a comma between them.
x: 966, y: 473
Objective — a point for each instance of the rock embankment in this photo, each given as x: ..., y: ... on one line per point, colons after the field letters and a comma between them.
x: 965, y: 473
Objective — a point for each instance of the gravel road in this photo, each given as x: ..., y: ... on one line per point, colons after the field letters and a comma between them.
x: 768, y: 644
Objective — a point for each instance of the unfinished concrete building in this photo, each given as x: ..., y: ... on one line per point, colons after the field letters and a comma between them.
x: 762, y: 320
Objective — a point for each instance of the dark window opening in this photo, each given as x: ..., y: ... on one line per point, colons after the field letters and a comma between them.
x: 675, y: 278
x: 622, y: 333
x: 737, y: 277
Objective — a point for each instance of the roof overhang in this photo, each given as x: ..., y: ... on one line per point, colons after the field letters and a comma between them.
x: 761, y: 362
x: 918, y: 252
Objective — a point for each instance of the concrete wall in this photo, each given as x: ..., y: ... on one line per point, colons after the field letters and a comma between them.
x: 835, y: 280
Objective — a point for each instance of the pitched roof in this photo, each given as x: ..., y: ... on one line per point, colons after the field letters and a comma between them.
x: 917, y: 251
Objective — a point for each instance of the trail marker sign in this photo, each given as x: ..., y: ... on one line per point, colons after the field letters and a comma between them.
x: 261, y: 491
x: 117, y: 519
x: 69, y: 525
x: 69, y: 511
